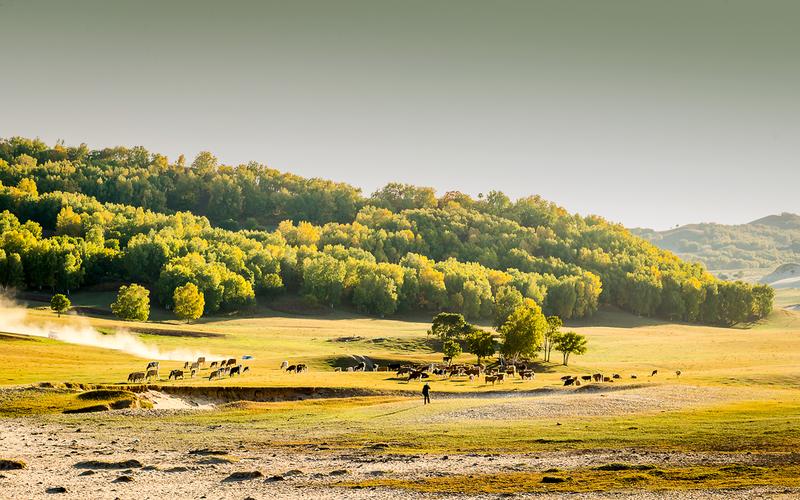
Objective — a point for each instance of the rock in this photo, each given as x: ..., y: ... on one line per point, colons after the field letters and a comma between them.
x: 6, y: 464
x: 149, y: 467
x: 553, y: 479
x: 274, y: 478
x: 178, y: 468
x: 123, y: 479
x: 243, y: 476
x: 87, y: 473
x: 293, y: 472
x: 206, y: 451
x: 56, y: 489
x: 218, y: 460
x: 107, y: 464
x: 339, y: 472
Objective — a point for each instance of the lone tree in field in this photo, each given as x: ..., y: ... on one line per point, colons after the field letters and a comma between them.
x: 451, y: 348
x: 481, y: 344
x: 570, y: 343
x: 132, y: 304
x: 554, y: 325
x: 60, y: 304
x: 189, y: 302
x: 449, y: 326
x: 523, y: 332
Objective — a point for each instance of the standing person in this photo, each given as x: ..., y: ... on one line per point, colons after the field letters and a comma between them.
x: 426, y: 394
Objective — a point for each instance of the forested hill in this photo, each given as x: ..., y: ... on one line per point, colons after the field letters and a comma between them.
x: 765, y: 243
x: 77, y: 216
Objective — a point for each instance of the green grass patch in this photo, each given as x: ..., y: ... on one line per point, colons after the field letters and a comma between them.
x: 588, y: 480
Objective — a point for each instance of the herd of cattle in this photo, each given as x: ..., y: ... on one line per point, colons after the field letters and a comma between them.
x: 224, y: 368
x: 492, y: 374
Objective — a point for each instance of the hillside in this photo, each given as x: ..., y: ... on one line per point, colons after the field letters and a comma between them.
x: 760, y: 245
x: 78, y: 217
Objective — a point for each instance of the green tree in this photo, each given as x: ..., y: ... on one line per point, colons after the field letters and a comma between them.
x: 523, y: 332
x: 449, y: 326
x: 570, y: 343
x: 60, y: 304
x: 132, y: 304
x: 506, y: 301
x: 189, y: 302
x: 554, y: 325
x: 451, y: 348
x: 480, y: 343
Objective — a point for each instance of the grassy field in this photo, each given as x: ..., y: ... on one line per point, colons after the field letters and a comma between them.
x: 738, y: 394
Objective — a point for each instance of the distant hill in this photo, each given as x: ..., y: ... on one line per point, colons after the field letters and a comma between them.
x: 762, y: 244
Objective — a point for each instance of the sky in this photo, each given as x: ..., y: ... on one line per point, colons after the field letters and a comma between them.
x: 649, y: 113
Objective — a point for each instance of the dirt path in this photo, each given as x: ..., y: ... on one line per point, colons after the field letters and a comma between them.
x: 54, y: 450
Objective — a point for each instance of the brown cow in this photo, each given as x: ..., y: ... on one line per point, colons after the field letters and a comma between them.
x: 215, y: 374
x: 136, y: 377
x: 176, y: 374
x: 153, y: 373
x: 231, y: 362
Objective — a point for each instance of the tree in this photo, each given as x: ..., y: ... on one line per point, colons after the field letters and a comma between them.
x: 449, y: 326
x: 189, y: 302
x: 480, y: 343
x: 506, y: 301
x: 523, y: 332
x: 570, y: 343
x: 60, y: 304
x: 554, y: 325
x: 132, y: 304
x: 451, y: 348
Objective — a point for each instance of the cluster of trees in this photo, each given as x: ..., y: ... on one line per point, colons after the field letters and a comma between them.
x: 238, y: 232
x: 524, y: 332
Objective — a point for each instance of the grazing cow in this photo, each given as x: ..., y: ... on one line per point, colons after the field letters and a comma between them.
x: 608, y: 379
x: 301, y: 367
x: 215, y: 374
x: 290, y: 368
x: 226, y: 370
x: 569, y: 381
x: 655, y: 372
x: 186, y: 365
x: 527, y: 375
x: 586, y: 378
x: 201, y: 361
x: 616, y: 375
x: 361, y: 367
x: 500, y: 377
x: 231, y: 362
x: 245, y: 370
x: 577, y: 382
x: 192, y: 373
x: 490, y: 378
x: 598, y: 377
x: 236, y: 370
x: 394, y: 366
x: 414, y: 375
x: 634, y: 376
x: 195, y: 366
x: 214, y: 364
x: 566, y: 377
x: 136, y: 377
x: 151, y: 374
x: 176, y: 374
x: 402, y: 371
x: 284, y: 365
x: 152, y: 364
x: 474, y: 371
x: 511, y: 371
x: 678, y: 373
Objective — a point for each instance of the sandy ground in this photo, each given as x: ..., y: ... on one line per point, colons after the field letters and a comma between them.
x: 54, y: 449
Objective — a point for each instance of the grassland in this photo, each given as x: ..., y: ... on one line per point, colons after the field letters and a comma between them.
x: 737, y: 398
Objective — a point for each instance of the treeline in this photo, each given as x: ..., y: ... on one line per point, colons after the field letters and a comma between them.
x: 400, y: 249
x: 61, y: 241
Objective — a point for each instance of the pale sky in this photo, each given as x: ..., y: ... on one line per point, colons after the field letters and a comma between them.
x: 648, y: 113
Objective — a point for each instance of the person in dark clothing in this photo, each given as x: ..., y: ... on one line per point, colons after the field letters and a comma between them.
x: 426, y: 394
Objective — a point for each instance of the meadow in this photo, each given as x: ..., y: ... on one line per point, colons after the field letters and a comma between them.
x: 735, y: 401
